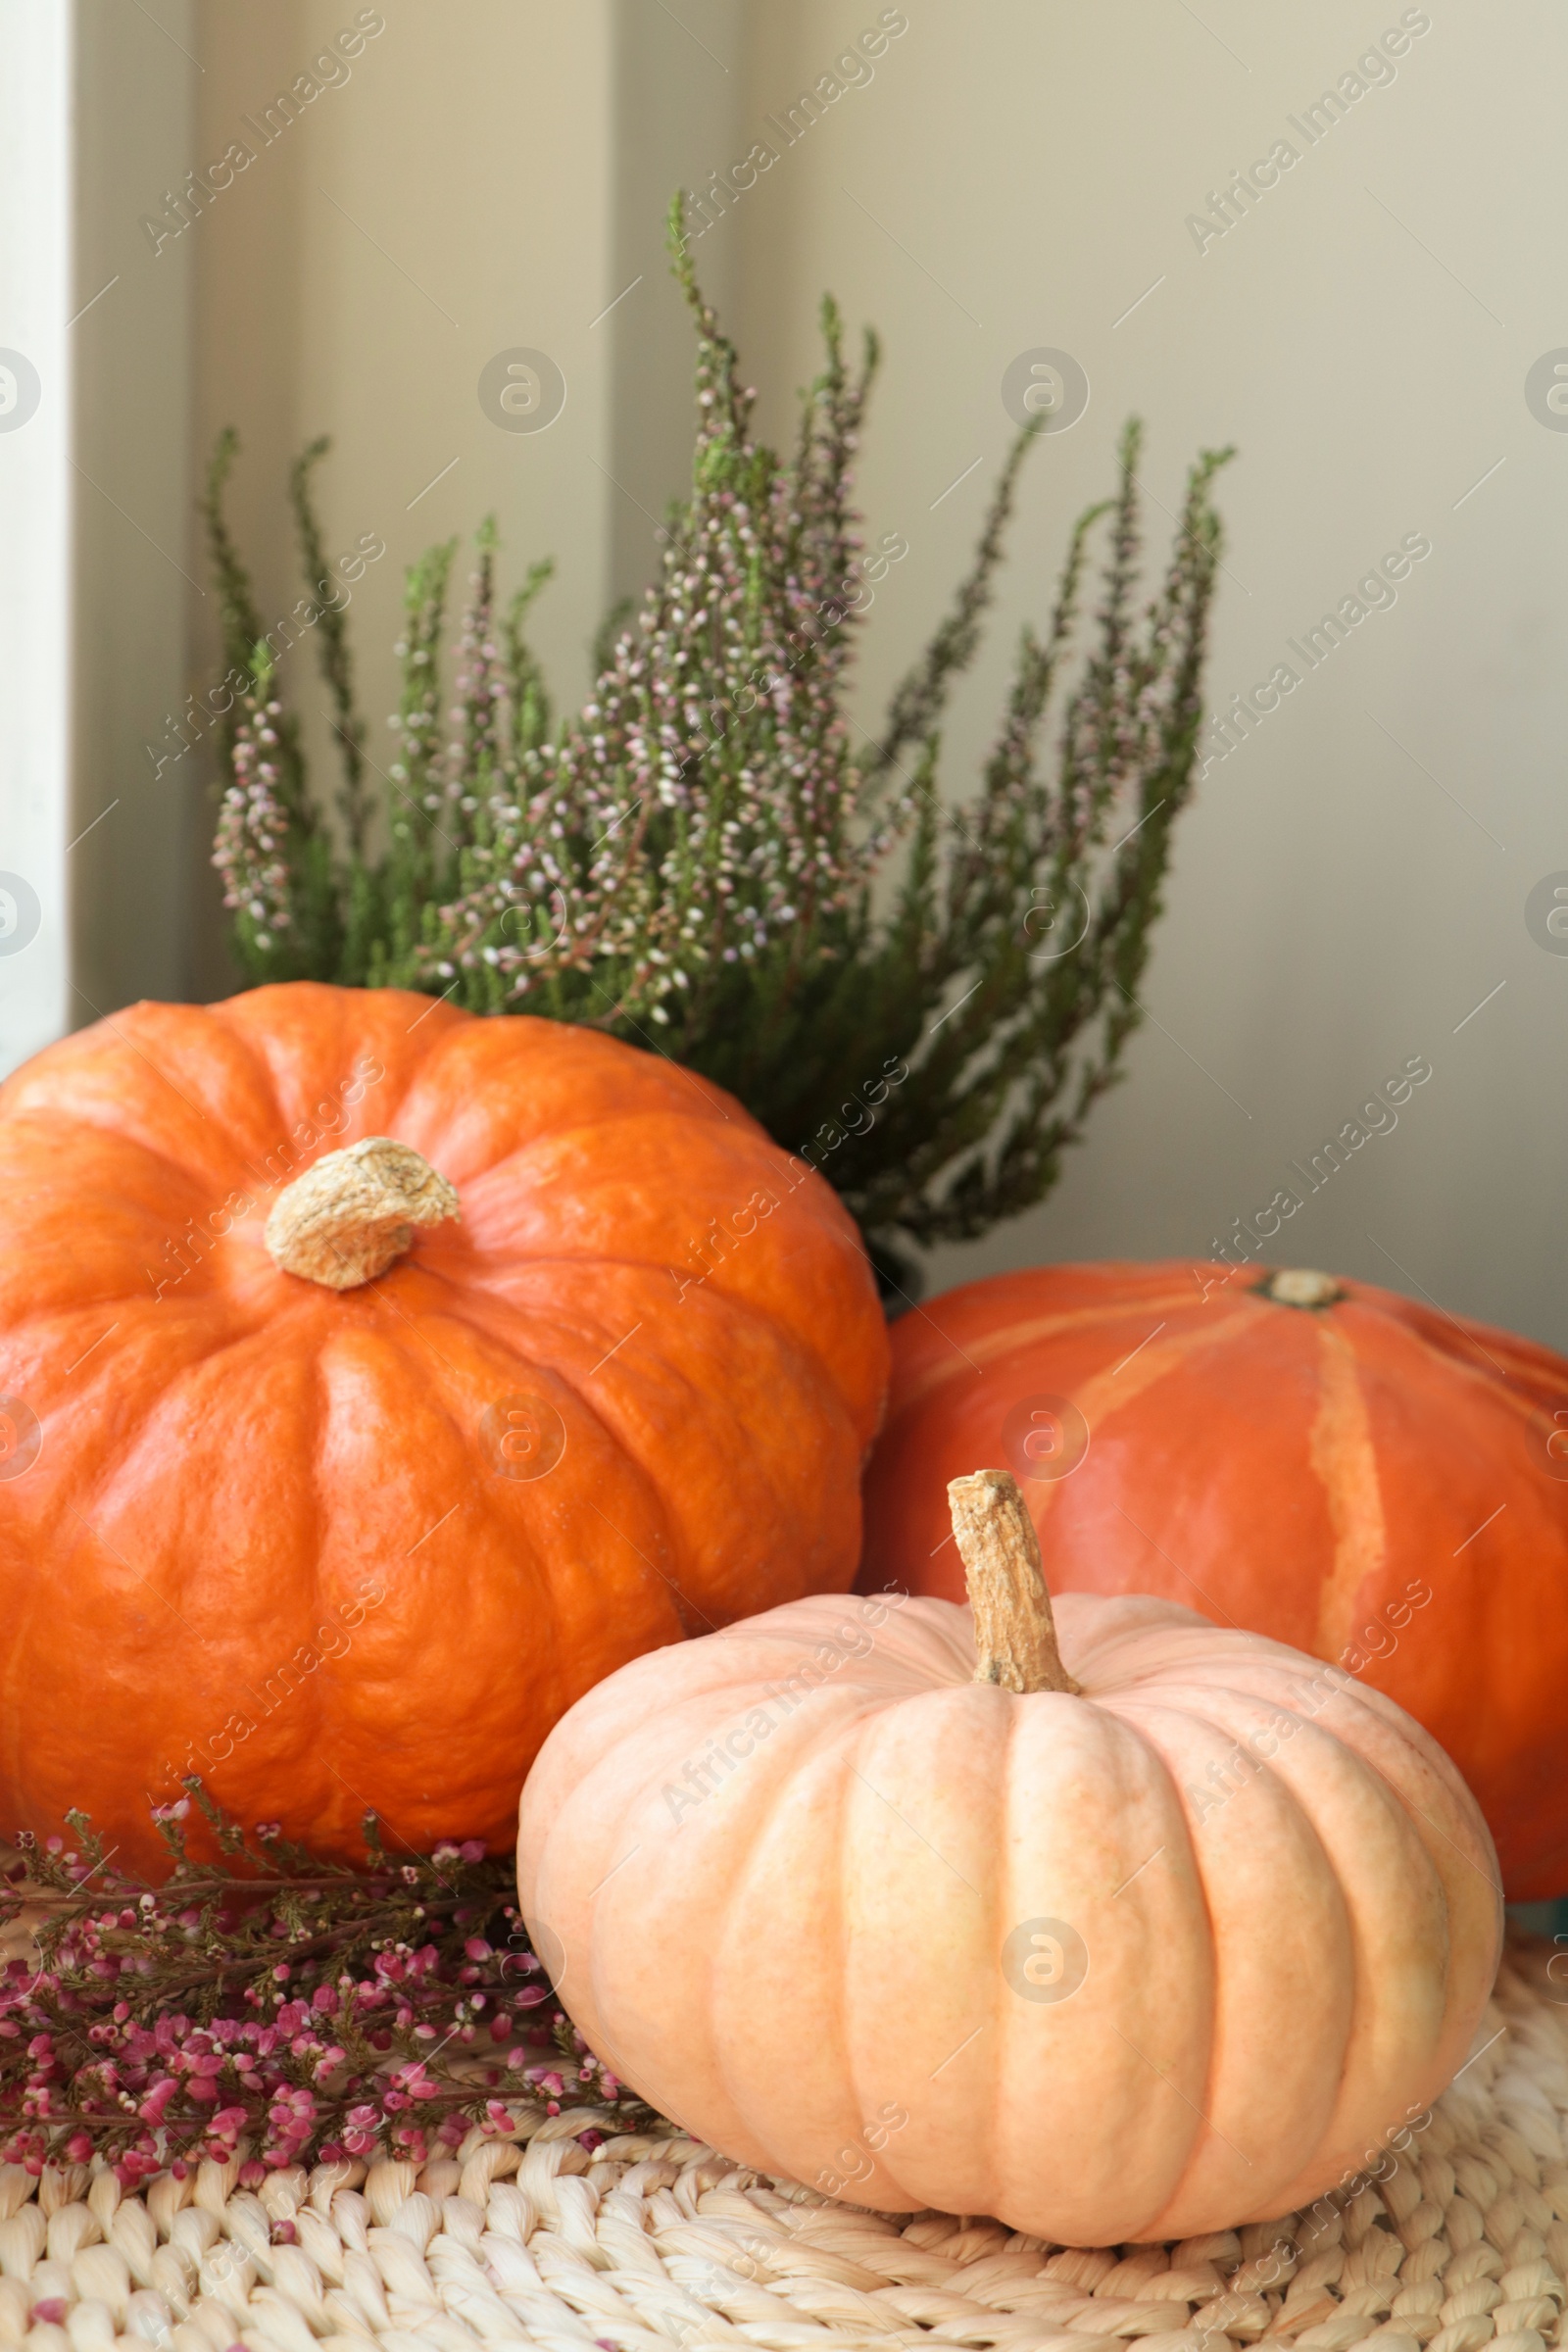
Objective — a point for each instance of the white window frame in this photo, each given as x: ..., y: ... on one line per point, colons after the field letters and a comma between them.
x: 96, y: 119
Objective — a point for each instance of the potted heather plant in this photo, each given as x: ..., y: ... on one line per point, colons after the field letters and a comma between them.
x: 712, y: 860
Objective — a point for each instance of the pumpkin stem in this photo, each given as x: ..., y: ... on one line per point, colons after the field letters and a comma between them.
x: 1015, y: 1632
x: 1301, y: 1285
x: 348, y: 1218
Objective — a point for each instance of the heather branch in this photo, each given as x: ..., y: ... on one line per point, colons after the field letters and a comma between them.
x: 265, y: 2009
x: 332, y: 647
x: 918, y: 703
x: 238, y: 618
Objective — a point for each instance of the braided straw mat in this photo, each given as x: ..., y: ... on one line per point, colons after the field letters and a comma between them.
x: 649, y: 2242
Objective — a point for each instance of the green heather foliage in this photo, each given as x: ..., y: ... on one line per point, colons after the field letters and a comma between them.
x: 689, y: 862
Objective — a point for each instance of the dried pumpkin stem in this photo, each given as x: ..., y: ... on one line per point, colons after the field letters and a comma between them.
x: 352, y: 1214
x: 1015, y: 1632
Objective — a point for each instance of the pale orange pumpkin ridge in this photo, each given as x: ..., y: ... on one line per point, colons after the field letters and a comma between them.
x: 1003, y: 1342
x: 1341, y: 1451
x: 1497, y: 1384
x: 1107, y: 1393
x: 1402, y: 1332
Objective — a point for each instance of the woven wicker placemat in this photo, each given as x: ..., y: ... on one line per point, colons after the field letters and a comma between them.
x: 647, y: 2242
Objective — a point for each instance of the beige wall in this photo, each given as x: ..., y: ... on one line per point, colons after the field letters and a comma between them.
x: 1352, y: 881
x: 451, y: 199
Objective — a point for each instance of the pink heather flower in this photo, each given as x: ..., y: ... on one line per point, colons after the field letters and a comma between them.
x: 253, y: 2083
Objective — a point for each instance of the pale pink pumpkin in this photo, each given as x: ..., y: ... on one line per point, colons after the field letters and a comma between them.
x: 1152, y: 1936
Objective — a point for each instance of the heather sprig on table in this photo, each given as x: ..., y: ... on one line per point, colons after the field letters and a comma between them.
x: 715, y: 860
x: 266, y: 2006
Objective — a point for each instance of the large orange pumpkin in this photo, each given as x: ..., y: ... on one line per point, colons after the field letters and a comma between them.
x: 1364, y: 1477
x: 1141, y: 1937
x: 345, y: 1546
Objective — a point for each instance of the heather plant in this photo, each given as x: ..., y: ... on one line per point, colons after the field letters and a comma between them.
x: 264, y: 2008
x: 712, y: 858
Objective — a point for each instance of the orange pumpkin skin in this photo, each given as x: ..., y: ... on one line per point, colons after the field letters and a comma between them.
x: 275, y: 1534
x: 1157, y: 1958
x: 1373, y: 1481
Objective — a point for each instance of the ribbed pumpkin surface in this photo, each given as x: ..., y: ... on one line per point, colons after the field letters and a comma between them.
x: 338, y: 1549
x: 1139, y: 1962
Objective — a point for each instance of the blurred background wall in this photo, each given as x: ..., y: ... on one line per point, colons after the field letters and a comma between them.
x: 1350, y: 889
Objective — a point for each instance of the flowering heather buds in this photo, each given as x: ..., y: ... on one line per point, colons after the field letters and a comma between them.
x: 160, y: 2025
